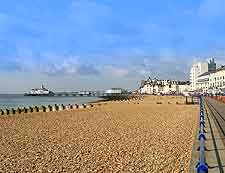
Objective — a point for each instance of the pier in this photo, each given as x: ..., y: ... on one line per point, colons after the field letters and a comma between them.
x: 76, y: 94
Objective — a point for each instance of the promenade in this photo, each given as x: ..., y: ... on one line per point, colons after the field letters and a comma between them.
x: 215, y: 137
x: 154, y: 135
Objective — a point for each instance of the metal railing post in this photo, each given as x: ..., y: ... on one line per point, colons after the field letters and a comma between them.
x: 202, y: 166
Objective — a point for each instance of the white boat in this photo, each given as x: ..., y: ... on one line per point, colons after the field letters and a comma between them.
x: 40, y: 92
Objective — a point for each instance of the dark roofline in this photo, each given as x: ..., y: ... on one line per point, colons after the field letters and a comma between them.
x: 221, y: 68
x: 204, y: 74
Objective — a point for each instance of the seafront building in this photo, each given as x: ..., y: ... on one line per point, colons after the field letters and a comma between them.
x: 211, y: 81
x: 198, y: 72
x: 205, y: 77
x: 156, y: 86
x: 203, y: 82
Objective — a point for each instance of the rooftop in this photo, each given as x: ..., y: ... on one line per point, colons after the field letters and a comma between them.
x: 205, y: 74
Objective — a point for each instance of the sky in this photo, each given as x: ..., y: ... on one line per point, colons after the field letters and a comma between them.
x: 72, y: 45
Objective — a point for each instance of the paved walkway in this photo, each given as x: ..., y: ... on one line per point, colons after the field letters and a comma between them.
x: 215, y: 135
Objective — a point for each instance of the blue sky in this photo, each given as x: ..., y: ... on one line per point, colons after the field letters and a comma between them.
x: 93, y: 44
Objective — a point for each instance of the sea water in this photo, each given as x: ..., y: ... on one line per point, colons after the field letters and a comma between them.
x: 17, y: 100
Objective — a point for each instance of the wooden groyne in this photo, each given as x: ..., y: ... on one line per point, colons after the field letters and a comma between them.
x: 62, y: 107
x: 43, y: 108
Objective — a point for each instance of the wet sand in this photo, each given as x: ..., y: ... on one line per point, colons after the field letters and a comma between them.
x: 155, y: 135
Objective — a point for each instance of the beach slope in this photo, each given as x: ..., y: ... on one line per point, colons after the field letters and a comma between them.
x: 155, y: 135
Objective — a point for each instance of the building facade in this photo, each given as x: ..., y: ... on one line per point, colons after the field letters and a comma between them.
x: 197, y: 70
x: 199, y: 73
x: 203, y: 82
x: 212, y: 82
x: 217, y: 79
x: 156, y: 86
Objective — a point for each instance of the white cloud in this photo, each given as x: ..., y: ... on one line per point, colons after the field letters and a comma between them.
x: 165, y: 66
x: 49, y: 64
x: 116, y: 71
x: 120, y: 72
x: 69, y: 66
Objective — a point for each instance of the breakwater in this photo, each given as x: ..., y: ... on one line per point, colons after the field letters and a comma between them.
x: 61, y: 107
x: 48, y: 108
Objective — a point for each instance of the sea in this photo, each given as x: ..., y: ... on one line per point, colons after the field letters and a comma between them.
x: 8, y: 101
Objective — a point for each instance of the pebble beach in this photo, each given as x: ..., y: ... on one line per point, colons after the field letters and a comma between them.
x: 153, y: 135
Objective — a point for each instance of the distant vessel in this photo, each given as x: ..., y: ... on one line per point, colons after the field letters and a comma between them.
x: 40, y: 92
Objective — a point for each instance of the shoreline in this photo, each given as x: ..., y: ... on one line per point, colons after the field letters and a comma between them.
x: 54, y: 107
x: 20, y: 101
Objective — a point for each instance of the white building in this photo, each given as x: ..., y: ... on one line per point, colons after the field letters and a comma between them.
x: 184, y: 88
x: 217, y: 79
x: 156, y: 86
x: 202, y: 84
x: 212, y: 82
x: 199, y: 74
x: 197, y: 70
x: 150, y: 88
x: 115, y: 91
